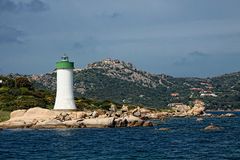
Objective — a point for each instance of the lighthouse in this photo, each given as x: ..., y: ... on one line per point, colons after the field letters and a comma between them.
x: 64, y: 96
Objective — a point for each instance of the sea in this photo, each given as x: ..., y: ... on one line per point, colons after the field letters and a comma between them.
x: 186, y: 139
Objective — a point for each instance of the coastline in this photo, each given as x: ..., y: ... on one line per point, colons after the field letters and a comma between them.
x: 45, y: 118
x: 41, y: 118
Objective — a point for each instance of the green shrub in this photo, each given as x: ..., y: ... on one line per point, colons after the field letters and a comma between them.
x: 4, y: 115
x: 24, y: 91
x: 23, y: 82
x: 14, y: 91
x: 4, y: 89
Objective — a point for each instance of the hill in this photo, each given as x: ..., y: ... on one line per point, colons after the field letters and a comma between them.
x: 123, y: 83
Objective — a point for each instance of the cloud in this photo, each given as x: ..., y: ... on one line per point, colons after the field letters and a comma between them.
x: 206, y: 65
x: 86, y: 46
x: 10, y: 35
x: 110, y: 14
x: 191, y: 58
x: 14, y: 7
x: 197, y: 54
x: 114, y: 15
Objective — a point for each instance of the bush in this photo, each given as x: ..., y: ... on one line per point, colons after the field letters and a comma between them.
x: 4, y: 115
x: 23, y: 82
x: 14, y: 91
x: 4, y: 89
x: 24, y: 91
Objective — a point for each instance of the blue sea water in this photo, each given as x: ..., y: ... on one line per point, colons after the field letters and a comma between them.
x: 185, y: 140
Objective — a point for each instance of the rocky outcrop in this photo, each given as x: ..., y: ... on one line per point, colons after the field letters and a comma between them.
x: 164, y: 129
x: 132, y: 118
x: 147, y: 124
x: 113, y: 117
x: 199, y: 119
x: 45, y: 118
x: 227, y: 115
x: 198, y: 108
x: 121, y: 122
x: 181, y: 110
x: 124, y: 108
x: 14, y: 124
x: 99, y: 122
x: 158, y: 115
x: 17, y: 113
x: 52, y: 123
x: 212, y: 127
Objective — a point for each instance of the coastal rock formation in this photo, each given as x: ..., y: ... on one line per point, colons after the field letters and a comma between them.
x: 53, y: 123
x: 17, y: 113
x: 227, y: 115
x: 120, y: 122
x: 13, y: 124
x: 199, y: 119
x: 99, y: 122
x: 124, y: 108
x: 113, y: 117
x: 164, y: 129
x: 132, y: 118
x: 45, y: 118
x: 147, y: 124
x: 198, y: 108
x: 181, y: 110
x: 212, y: 127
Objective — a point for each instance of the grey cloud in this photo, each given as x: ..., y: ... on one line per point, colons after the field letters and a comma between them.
x: 180, y: 62
x: 157, y: 36
x: 10, y: 35
x: 206, y: 65
x: 197, y: 54
x: 15, y: 7
x: 191, y: 58
x: 114, y: 15
x: 110, y: 15
x: 78, y: 45
x: 86, y: 46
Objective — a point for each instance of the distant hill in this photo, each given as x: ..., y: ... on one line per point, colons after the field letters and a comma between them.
x: 123, y: 83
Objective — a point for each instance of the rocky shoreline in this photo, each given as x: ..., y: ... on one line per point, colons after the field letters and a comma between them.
x: 44, y: 118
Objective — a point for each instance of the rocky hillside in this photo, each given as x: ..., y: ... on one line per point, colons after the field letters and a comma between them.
x: 114, y: 80
x: 122, y: 82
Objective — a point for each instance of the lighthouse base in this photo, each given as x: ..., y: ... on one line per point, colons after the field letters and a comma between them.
x: 64, y: 104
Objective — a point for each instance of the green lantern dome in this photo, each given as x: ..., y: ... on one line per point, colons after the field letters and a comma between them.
x: 64, y: 63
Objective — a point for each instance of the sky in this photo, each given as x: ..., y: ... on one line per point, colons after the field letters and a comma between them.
x: 182, y: 38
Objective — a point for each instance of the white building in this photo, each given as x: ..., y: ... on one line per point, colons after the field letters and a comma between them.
x: 64, y: 97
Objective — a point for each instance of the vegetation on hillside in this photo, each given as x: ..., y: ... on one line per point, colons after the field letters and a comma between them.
x: 122, y: 83
x: 19, y: 93
x: 4, y: 115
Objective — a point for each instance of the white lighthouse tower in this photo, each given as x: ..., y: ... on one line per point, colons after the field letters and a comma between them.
x: 64, y: 97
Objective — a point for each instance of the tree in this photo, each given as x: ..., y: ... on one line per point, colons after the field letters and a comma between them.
x: 23, y: 82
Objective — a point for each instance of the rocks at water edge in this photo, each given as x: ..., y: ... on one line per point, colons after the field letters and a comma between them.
x: 164, y: 129
x: 181, y: 110
x: 212, y: 127
x: 227, y: 115
x: 99, y: 122
x: 113, y: 117
x: 199, y: 119
x: 45, y: 118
